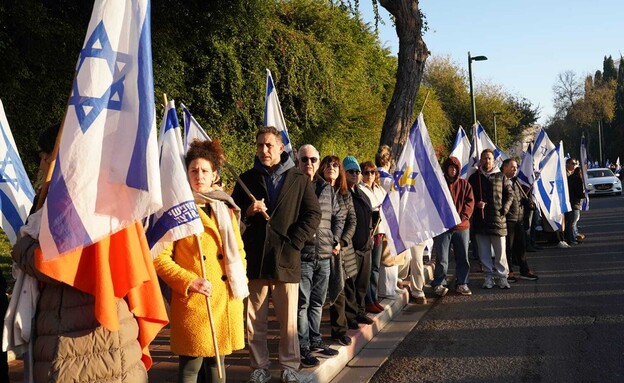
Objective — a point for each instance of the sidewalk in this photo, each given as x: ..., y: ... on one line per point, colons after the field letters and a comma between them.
x: 355, y: 363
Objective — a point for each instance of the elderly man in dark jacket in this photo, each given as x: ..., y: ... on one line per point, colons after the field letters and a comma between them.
x: 316, y: 262
x: 273, y: 249
x: 458, y: 236
x: 493, y: 199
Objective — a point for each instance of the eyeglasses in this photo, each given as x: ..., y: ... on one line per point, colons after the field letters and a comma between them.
x: 334, y: 165
x: 369, y: 173
x: 306, y: 159
x: 353, y: 171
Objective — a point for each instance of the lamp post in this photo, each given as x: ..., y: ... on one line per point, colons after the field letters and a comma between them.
x: 472, y: 99
x: 494, y: 114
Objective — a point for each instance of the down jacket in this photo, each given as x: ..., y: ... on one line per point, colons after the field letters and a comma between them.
x: 71, y: 346
x: 492, y: 189
x: 178, y: 265
x: 347, y: 253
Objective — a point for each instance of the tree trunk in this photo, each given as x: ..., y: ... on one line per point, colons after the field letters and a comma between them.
x: 413, y: 53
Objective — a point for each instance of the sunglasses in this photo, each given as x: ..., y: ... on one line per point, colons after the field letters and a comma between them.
x: 334, y: 165
x: 369, y: 172
x: 353, y: 171
x: 310, y: 159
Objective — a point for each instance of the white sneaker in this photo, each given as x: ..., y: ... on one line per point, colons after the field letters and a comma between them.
x: 290, y: 376
x: 563, y: 245
x: 463, y: 290
x: 489, y: 283
x: 260, y: 375
x: 440, y: 290
x: 503, y: 283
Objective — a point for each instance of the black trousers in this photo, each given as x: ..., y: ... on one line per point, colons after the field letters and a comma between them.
x: 516, y: 247
x: 338, y: 315
x: 355, y: 298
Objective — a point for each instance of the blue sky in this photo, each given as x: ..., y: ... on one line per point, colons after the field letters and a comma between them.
x: 527, y: 43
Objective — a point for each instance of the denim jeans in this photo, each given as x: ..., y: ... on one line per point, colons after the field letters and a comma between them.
x: 312, y: 293
x: 371, y: 295
x: 442, y: 244
x: 571, y: 219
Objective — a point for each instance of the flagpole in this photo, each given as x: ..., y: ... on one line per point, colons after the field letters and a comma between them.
x: 212, y: 326
x: 232, y: 171
x: 425, y: 102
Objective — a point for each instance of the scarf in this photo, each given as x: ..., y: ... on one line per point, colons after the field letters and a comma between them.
x: 220, y: 203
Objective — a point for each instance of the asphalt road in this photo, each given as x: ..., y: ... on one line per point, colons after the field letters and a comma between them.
x: 566, y: 327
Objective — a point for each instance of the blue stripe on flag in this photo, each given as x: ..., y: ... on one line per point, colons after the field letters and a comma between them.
x: 10, y: 212
x: 434, y: 188
x: 66, y: 226
x: 561, y: 190
x: 270, y: 88
x: 137, y: 172
x: 544, y: 194
x: 178, y: 215
x: 172, y: 120
x: 393, y: 225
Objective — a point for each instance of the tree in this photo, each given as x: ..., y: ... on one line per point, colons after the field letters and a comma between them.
x: 566, y: 91
x: 608, y: 69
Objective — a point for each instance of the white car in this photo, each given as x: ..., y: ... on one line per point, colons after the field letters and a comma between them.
x: 603, y: 181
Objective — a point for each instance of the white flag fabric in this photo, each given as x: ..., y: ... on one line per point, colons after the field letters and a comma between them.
x: 542, y: 145
x: 526, y: 173
x: 192, y: 129
x: 617, y: 165
x: 419, y: 206
x: 583, y: 163
x: 480, y: 142
x: 178, y: 217
x: 106, y: 175
x: 551, y: 190
x: 16, y: 192
x: 461, y: 151
x: 273, y: 113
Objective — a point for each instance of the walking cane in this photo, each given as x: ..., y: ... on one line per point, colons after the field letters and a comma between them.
x: 212, y: 326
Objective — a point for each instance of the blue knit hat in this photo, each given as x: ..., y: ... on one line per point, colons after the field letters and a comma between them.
x: 350, y: 163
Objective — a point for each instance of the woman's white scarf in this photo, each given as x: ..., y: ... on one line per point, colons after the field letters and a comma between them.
x: 220, y: 203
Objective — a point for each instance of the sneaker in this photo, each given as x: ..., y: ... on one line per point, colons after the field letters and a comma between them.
x: 323, y: 350
x: 511, y: 278
x: 563, y: 245
x: 307, y: 360
x: 489, y: 283
x: 463, y: 290
x: 260, y: 375
x: 529, y: 276
x: 290, y: 376
x: 380, y: 306
x: 580, y: 237
x: 502, y: 283
x: 363, y: 319
x: 440, y: 290
x: 371, y: 308
x: 420, y: 300
x: 343, y: 340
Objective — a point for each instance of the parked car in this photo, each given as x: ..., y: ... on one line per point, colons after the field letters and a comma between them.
x: 603, y: 181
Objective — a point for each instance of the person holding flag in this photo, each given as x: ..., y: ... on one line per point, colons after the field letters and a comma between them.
x: 225, y: 283
x: 577, y: 193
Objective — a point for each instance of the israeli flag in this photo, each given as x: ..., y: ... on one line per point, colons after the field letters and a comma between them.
x: 192, y: 130
x: 542, y: 146
x: 419, y: 205
x: 106, y: 175
x: 461, y: 151
x: 617, y: 165
x: 16, y: 192
x: 480, y: 142
x: 178, y: 217
x: 273, y: 113
x: 551, y: 190
x: 583, y: 161
x: 526, y: 174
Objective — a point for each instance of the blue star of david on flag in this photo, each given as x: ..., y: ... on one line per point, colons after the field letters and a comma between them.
x: 12, y: 161
x: 404, y: 180
x: 98, y: 48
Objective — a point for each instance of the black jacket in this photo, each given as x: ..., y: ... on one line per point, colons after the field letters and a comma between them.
x: 274, y: 247
x: 362, y: 238
x: 496, y: 193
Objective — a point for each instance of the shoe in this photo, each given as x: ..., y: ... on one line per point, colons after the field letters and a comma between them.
x: 440, y: 290
x: 363, y: 319
x: 260, y: 375
x: 502, y: 283
x: 574, y: 243
x: 580, y: 237
x: 511, y: 278
x: 353, y: 324
x: 463, y: 290
x: 307, y: 360
x: 380, y: 306
x: 563, y: 245
x: 343, y: 340
x: 290, y: 376
x: 371, y: 308
x: 489, y: 283
x: 323, y: 350
x: 420, y: 300
x: 529, y: 276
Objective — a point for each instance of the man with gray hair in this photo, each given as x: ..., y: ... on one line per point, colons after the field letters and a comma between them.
x: 315, y: 262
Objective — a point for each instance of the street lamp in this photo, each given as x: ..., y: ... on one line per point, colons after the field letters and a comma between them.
x: 494, y: 114
x: 472, y: 100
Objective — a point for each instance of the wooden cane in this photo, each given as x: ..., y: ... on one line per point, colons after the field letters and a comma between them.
x: 211, y: 320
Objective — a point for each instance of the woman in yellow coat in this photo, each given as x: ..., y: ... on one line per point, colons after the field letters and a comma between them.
x: 224, y: 261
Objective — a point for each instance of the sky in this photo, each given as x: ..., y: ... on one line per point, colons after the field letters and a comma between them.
x: 528, y: 43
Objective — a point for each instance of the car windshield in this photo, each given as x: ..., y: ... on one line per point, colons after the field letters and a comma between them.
x: 593, y: 173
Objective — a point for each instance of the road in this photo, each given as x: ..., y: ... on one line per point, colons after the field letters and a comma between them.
x: 566, y: 327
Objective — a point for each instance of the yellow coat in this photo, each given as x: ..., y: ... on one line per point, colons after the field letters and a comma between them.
x: 178, y: 265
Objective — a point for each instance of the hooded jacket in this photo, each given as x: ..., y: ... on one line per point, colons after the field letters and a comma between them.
x: 461, y: 191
